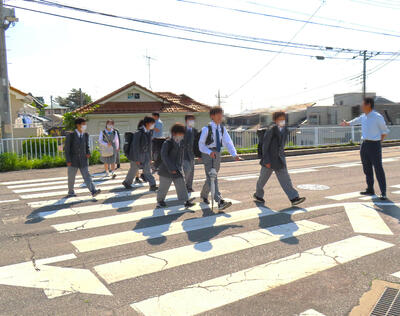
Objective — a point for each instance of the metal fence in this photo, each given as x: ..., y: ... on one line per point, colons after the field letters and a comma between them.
x: 37, y: 147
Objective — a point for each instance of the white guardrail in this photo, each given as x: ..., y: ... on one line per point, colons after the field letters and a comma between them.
x: 37, y: 147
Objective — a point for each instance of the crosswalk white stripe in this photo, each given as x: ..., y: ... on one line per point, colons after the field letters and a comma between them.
x: 397, y: 186
x: 129, y: 217
x: 396, y: 274
x: 230, y: 288
x: 9, y: 201
x: 103, y: 207
x: 311, y: 312
x: 365, y: 219
x: 302, y: 170
x: 347, y: 165
x: 34, y: 180
x: 167, y: 259
x: 344, y: 196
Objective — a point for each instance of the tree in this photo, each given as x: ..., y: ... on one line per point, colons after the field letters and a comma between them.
x: 73, y: 100
x: 69, y: 117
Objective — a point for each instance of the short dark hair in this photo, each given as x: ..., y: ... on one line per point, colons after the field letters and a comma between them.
x: 278, y: 114
x: 110, y: 121
x: 155, y: 114
x: 79, y: 120
x: 216, y: 110
x: 189, y: 117
x: 147, y: 120
x: 178, y: 128
x: 370, y: 101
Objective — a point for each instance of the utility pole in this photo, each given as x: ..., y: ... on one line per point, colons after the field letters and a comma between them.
x: 7, y: 17
x: 220, y: 98
x: 364, y: 73
x: 51, y: 102
x: 148, y: 60
x: 80, y: 98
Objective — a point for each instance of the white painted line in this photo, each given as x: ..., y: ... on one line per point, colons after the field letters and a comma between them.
x: 55, y: 281
x: 9, y: 201
x: 236, y: 178
x: 365, y: 219
x: 347, y: 165
x: 211, y: 294
x: 129, y: 217
x: 167, y: 259
x: 311, y: 312
x: 389, y: 159
x: 344, y: 196
x: 302, y: 170
x: 104, y: 207
x: 368, y: 197
x: 397, y: 274
x: 34, y: 180
x: 397, y: 186
x: 396, y: 192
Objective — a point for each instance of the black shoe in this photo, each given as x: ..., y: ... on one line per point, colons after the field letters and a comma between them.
x: 143, y: 177
x: 206, y: 201
x: 190, y: 190
x: 126, y: 185
x: 96, y: 192
x: 383, y: 197
x: 153, y: 188
x: 138, y: 181
x: 223, y: 205
x: 367, y: 192
x: 258, y: 199
x: 70, y: 195
x: 189, y: 204
x: 113, y: 175
x: 161, y: 204
x: 118, y: 166
x: 297, y: 201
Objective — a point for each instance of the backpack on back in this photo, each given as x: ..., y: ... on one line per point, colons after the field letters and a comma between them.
x: 128, y: 137
x: 260, y: 133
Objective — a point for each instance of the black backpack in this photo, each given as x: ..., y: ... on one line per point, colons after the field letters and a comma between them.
x: 260, y: 133
x: 128, y: 137
x: 196, y: 149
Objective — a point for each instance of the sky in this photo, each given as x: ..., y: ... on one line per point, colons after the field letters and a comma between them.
x: 48, y: 56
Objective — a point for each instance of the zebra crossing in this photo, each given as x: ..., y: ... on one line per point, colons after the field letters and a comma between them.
x: 63, y: 215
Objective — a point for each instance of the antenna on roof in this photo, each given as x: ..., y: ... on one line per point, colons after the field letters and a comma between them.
x: 148, y: 60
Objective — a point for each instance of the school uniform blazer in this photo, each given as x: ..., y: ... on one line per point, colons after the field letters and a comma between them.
x: 140, y: 149
x: 273, y: 149
x: 172, y: 159
x: 188, y: 142
x: 76, y: 149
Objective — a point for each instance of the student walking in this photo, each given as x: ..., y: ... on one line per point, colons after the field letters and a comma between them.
x: 158, y: 126
x: 274, y: 160
x: 140, y: 154
x: 109, y: 147
x: 172, y: 154
x: 188, y: 158
x: 77, y: 154
x: 212, y: 138
x: 373, y: 132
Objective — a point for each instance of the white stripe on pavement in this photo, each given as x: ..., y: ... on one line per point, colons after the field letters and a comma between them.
x: 160, y: 261
x: 9, y: 201
x: 302, y: 170
x: 344, y: 196
x: 103, y: 207
x: 311, y: 312
x: 129, y: 217
x: 396, y: 274
x: 214, y: 293
x: 365, y: 219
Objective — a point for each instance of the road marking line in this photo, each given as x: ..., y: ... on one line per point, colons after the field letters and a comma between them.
x: 129, y: 217
x: 347, y: 165
x: 368, y: 197
x: 397, y: 186
x: 55, y: 281
x: 396, y: 274
x: 103, y: 207
x: 214, y: 293
x: 311, y: 312
x: 344, y: 196
x: 396, y: 192
x: 9, y: 201
x: 167, y: 259
x: 365, y: 219
x: 302, y: 170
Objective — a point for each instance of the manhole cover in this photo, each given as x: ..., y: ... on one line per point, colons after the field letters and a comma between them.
x: 314, y: 187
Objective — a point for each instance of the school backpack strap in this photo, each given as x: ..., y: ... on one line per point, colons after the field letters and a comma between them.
x: 210, y: 138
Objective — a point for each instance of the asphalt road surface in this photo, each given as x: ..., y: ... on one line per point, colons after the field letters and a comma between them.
x: 120, y: 255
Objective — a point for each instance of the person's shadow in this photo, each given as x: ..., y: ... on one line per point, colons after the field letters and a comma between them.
x: 387, y: 207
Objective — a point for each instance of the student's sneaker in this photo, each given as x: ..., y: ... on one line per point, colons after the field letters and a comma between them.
x: 107, y: 174
x: 190, y: 190
x: 189, y: 204
x: 297, y: 200
x: 143, y: 177
x: 223, y: 205
x: 161, y: 204
x: 113, y: 175
x: 367, y: 192
x: 70, y: 195
x: 383, y: 197
x: 96, y: 192
x: 206, y: 201
x: 118, y: 166
x: 258, y: 199
x: 137, y: 180
x: 126, y: 185
x: 153, y: 188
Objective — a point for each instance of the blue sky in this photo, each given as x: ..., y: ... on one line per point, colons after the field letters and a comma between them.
x: 49, y: 56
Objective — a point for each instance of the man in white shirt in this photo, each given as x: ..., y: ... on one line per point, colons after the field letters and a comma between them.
x: 212, y: 138
x: 373, y: 132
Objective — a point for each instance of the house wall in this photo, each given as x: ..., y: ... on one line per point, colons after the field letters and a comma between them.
x: 129, y: 122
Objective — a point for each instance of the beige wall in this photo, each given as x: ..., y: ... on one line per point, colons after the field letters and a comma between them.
x: 129, y: 122
x: 144, y: 96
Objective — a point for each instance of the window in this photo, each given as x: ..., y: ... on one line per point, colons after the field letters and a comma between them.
x: 132, y: 95
x: 313, y: 119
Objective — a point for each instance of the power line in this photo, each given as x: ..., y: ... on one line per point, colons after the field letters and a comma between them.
x: 288, y: 18
x: 277, y: 54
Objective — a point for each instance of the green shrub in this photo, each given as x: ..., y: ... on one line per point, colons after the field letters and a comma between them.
x: 94, y: 158
x: 8, y: 161
x: 36, y: 147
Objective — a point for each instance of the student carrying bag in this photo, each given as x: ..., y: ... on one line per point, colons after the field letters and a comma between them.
x: 105, y: 150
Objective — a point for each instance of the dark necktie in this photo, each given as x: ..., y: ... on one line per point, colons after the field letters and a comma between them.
x: 218, y: 139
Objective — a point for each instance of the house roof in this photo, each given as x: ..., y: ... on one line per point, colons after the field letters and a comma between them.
x: 163, y: 102
x: 18, y: 91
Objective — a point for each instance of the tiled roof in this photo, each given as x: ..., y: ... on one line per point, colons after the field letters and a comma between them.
x: 169, y: 102
x: 18, y: 91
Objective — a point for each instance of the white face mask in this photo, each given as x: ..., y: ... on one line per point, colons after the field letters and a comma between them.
x: 152, y: 126
x: 191, y: 123
x: 281, y: 123
x: 177, y: 138
x: 110, y: 126
x: 83, y: 127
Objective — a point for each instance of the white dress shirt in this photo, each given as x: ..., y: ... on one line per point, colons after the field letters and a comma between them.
x: 373, y: 125
x: 79, y: 134
x: 226, y: 140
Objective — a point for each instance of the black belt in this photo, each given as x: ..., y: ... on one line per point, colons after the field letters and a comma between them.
x: 371, y: 141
